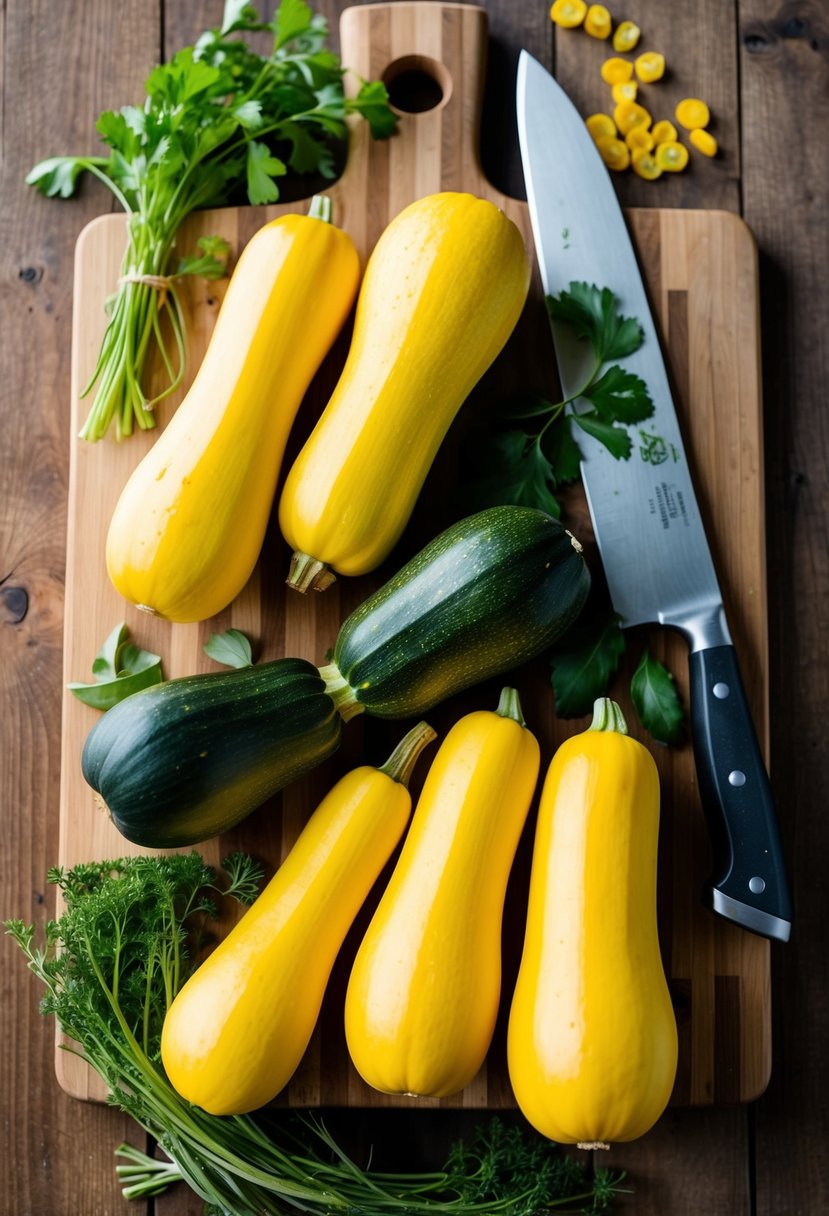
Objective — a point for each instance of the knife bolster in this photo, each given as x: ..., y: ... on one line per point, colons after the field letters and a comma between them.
x: 703, y: 625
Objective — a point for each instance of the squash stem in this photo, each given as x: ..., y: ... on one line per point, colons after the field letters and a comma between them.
x: 510, y: 706
x: 576, y: 545
x: 608, y: 716
x: 340, y: 692
x: 401, y: 762
x: 309, y: 573
x: 320, y: 208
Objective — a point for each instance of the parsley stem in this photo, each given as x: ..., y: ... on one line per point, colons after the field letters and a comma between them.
x: 92, y: 167
x: 556, y: 410
x: 584, y: 391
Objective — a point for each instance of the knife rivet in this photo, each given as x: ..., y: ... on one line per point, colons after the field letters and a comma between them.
x: 721, y: 691
x: 756, y: 885
x: 736, y: 777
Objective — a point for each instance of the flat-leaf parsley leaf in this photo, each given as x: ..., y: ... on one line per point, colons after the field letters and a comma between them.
x: 655, y: 697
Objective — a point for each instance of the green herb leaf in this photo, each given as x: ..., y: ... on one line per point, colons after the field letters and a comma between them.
x: 211, y: 263
x: 501, y: 1160
x: 307, y: 154
x: 512, y: 469
x: 584, y: 662
x: 244, y: 877
x: 249, y: 114
x: 372, y: 102
x: 262, y: 168
x: 292, y: 19
x: 231, y: 648
x: 120, y: 669
x: 118, y: 133
x: 561, y: 450
x: 656, y: 700
x: 238, y: 15
x: 57, y: 176
x: 593, y: 313
x: 614, y: 438
x: 620, y: 396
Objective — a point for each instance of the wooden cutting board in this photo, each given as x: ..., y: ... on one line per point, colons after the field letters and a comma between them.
x: 701, y: 269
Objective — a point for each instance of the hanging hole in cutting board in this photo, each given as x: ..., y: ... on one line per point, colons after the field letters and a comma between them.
x: 417, y: 83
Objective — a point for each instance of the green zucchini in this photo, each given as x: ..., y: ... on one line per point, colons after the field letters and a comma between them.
x: 200, y: 753
x: 186, y: 760
x: 489, y: 593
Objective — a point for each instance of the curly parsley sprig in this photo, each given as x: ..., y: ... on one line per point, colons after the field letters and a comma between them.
x: 218, y: 117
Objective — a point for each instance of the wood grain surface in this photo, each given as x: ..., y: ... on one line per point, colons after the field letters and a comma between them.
x: 767, y: 59
x: 702, y: 274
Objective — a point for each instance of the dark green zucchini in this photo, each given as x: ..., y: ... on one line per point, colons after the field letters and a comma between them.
x: 188, y: 759
x: 486, y: 595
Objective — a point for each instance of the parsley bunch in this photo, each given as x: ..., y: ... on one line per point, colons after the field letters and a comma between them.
x: 529, y: 465
x: 217, y: 117
x: 131, y: 933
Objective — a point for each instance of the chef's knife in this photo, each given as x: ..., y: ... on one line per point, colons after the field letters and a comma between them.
x: 644, y: 510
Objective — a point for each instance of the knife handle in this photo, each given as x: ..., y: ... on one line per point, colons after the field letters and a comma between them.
x: 748, y: 883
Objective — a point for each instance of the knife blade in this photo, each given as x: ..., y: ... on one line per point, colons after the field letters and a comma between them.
x: 644, y: 510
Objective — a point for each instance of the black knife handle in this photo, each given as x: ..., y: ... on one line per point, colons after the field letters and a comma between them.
x: 748, y: 883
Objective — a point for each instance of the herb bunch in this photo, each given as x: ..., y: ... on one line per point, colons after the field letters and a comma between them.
x: 532, y: 453
x: 218, y: 117
x: 131, y: 933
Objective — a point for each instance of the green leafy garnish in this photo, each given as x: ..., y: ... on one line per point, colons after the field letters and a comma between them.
x: 372, y: 103
x: 209, y: 263
x: 231, y: 648
x: 500, y: 1158
x: 584, y: 663
x: 511, y: 468
x: 120, y: 669
x: 219, y: 118
x: 528, y: 465
x: 594, y: 315
x: 655, y: 697
x: 131, y: 933
x: 534, y: 453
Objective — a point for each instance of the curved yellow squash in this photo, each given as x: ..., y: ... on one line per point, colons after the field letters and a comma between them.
x: 239, y: 1027
x: 592, y: 1041
x: 423, y: 993
x: 443, y: 290
x: 189, y: 525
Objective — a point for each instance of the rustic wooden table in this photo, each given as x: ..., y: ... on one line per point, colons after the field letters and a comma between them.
x: 762, y: 65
